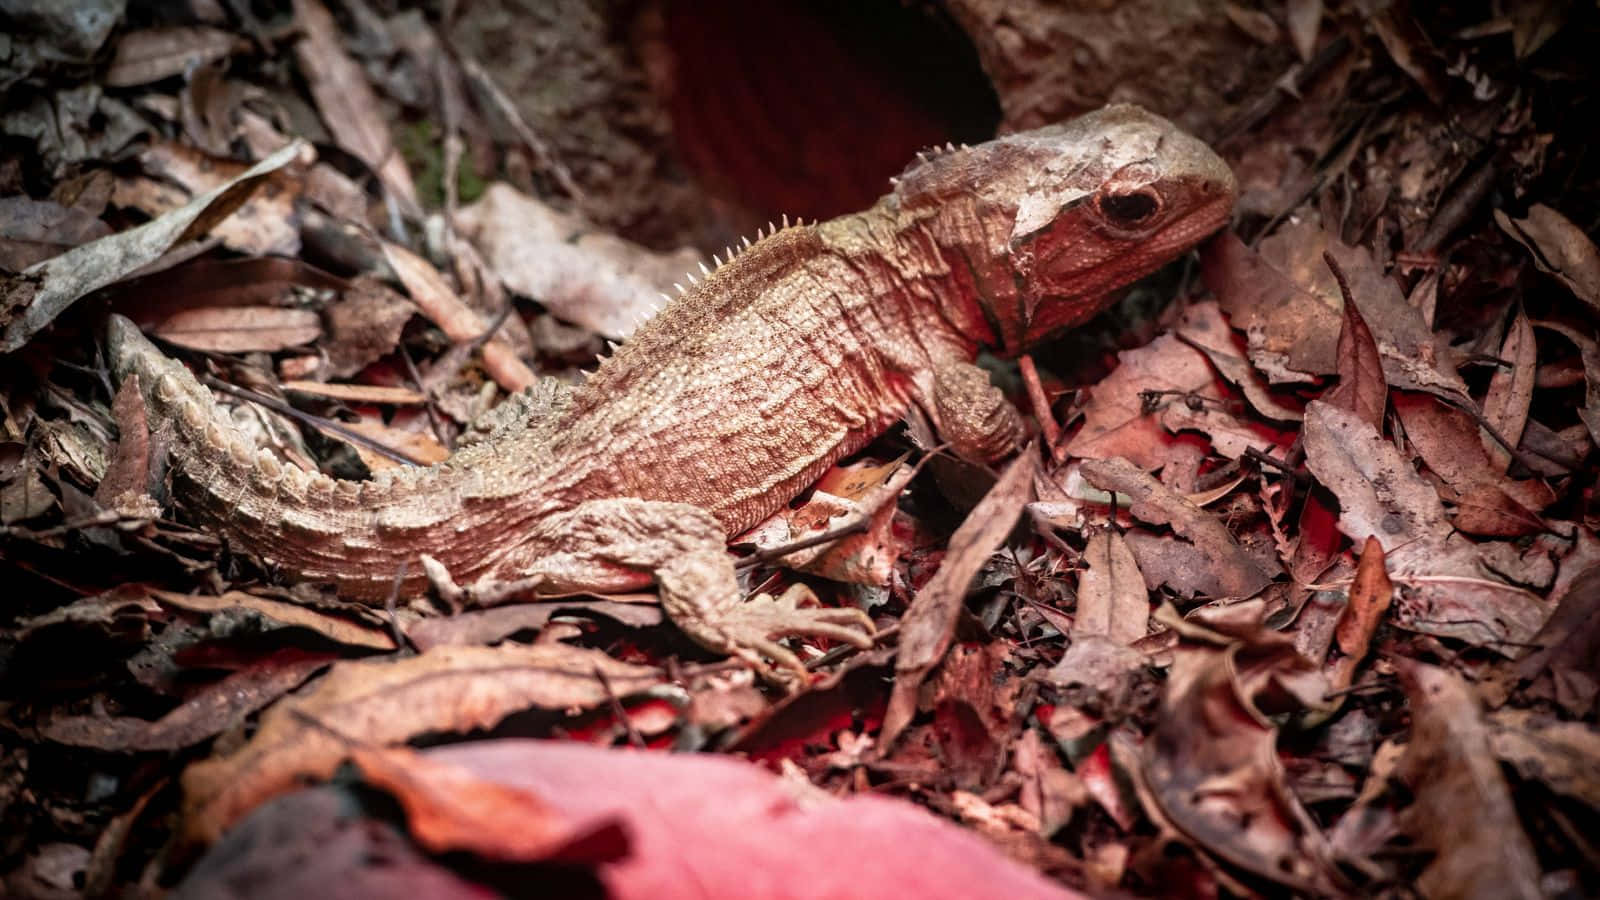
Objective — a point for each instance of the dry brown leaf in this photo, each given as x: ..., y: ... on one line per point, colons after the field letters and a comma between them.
x: 1558, y: 247
x: 349, y: 107
x: 1564, y: 756
x: 1379, y: 493
x: 212, y: 710
x: 442, y: 306
x: 339, y: 629
x: 1362, y: 388
x: 127, y: 480
x: 929, y: 624
x: 1589, y: 350
x: 585, y: 276
x: 1112, y: 599
x: 240, y: 329
x: 32, y: 231
x: 1505, y: 405
x: 1463, y: 809
x: 31, y: 300
x: 1448, y: 592
x: 1303, y: 18
x: 708, y: 826
x: 264, y: 225
x: 490, y: 626
x: 1564, y: 664
x: 1117, y: 421
x: 844, y: 494
x: 1292, y: 333
x: 1370, y: 596
x: 1487, y: 502
x: 1204, y: 328
x: 1212, y: 559
x: 444, y: 690
x: 1211, y: 770
x: 364, y: 325
x: 1050, y: 793
x: 156, y: 53
x: 1288, y: 303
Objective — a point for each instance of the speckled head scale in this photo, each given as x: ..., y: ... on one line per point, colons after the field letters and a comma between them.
x: 1060, y: 208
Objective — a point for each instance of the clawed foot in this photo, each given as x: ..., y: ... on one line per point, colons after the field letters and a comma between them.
x: 751, y: 631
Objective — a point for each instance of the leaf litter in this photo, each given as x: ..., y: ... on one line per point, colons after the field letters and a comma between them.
x: 1307, y: 605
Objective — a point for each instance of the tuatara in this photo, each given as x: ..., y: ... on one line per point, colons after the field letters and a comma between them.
x: 791, y: 354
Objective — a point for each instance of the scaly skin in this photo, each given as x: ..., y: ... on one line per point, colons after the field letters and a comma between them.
x: 738, y: 394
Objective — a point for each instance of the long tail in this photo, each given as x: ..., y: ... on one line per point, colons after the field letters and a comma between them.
x: 354, y: 533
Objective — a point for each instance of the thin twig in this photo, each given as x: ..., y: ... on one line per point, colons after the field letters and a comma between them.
x: 772, y: 553
x: 282, y: 408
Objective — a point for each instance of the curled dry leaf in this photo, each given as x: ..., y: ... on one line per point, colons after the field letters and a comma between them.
x: 1204, y: 328
x: 343, y: 630
x: 1563, y: 756
x: 1463, y: 809
x: 1210, y: 770
x: 1370, y: 596
x: 489, y: 626
x: 31, y: 300
x: 585, y: 276
x: 441, y: 305
x: 155, y: 53
x: 1562, y: 667
x: 264, y: 224
x: 1559, y: 248
x: 1505, y: 405
x: 381, y: 702
x: 126, y: 484
x: 1589, y: 351
x: 1487, y: 502
x: 211, y: 711
x: 1287, y: 302
x: 1214, y: 562
x: 843, y: 495
x: 929, y: 624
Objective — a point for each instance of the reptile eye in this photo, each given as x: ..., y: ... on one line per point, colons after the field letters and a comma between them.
x: 1130, y: 210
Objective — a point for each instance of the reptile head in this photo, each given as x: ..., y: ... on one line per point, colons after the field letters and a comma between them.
x: 1067, y: 215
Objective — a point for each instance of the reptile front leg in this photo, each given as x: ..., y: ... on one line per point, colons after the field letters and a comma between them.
x: 623, y: 542
x: 974, y: 415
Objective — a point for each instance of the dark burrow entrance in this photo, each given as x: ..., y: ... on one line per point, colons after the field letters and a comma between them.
x: 806, y: 107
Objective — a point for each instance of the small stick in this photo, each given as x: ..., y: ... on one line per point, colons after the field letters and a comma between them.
x: 282, y: 408
x: 1041, y: 408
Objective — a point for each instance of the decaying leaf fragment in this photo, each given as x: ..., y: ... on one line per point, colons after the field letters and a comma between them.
x: 445, y: 689
x: 31, y: 300
x: 1447, y: 591
x: 1463, y: 809
x: 1214, y: 562
x: 1558, y: 247
x: 1210, y: 770
x: 929, y: 624
x: 585, y: 276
